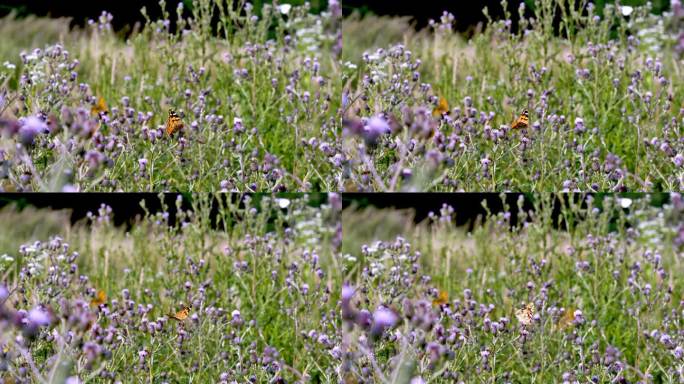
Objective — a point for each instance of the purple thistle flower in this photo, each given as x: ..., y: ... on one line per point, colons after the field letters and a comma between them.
x: 383, y: 319
x: 4, y: 293
x: 679, y: 160
x: 236, y: 318
x: 376, y: 127
x: 678, y: 352
x: 39, y: 317
x: 348, y: 313
x: 142, y: 354
x: 579, y: 125
x: 32, y: 126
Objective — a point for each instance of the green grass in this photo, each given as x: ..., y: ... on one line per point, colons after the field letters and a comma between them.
x: 496, y: 263
x: 275, y: 73
x: 501, y: 73
x: 260, y: 265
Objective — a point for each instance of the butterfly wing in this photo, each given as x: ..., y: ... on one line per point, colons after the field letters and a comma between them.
x: 522, y: 121
x: 567, y: 318
x: 180, y: 315
x: 442, y: 108
x: 100, y: 298
x: 173, y: 123
x: 100, y: 106
x: 524, y: 315
x: 441, y: 299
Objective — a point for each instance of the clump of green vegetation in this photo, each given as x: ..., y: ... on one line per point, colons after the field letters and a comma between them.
x: 585, y: 295
x: 604, y: 96
x: 257, y: 93
x: 101, y: 304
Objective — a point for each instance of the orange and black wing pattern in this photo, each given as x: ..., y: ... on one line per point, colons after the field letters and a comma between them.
x: 441, y: 299
x: 180, y: 315
x: 99, y: 299
x: 99, y: 107
x: 173, y: 123
x: 523, y: 121
x: 525, y: 314
x: 442, y: 108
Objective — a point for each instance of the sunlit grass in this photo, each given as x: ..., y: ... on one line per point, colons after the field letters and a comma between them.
x: 257, y: 276
x: 250, y: 92
x: 620, y: 268
x: 603, y: 94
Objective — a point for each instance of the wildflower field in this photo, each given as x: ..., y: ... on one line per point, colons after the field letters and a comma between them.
x: 257, y: 92
x: 434, y: 110
x: 92, y: 302
x: 589, y: 294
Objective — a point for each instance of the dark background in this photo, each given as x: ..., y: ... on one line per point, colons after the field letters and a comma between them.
x: 126, y: 12
x: 468, y: 206
x: 466, y: 13
x: 125, y: 206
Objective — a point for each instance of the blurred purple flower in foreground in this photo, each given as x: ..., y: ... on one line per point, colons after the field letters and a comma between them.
x: 30, y: 129
x: 383, y: 319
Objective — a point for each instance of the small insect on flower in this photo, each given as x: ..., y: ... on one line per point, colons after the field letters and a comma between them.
x: 100, y: 298
x: 99, y: 107
x: 173, y: 123
x: 525, y: 314
x: 567, y: 319
x: 442, y: 108
x: 522, y: 121
x: 441, y: 299
x: 180, y: 315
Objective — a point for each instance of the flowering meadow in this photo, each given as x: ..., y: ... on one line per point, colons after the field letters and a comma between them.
x: 98, y: 303
x: 604, y: 90
x: 590, y: 293
x: 257, y: 91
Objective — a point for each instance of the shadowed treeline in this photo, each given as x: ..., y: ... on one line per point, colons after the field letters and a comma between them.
x: 127, y: 12
x: 469, y: 14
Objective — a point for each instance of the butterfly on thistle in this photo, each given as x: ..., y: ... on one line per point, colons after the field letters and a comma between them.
x: 441, y: 299
x: 442, y: 108
x: 525, y: 314
x: 173, y: 123
x: 522, y: 121
x: 99, y: 107
x: 567, y: 319
x: 180, y: 315
x: 99, y: 299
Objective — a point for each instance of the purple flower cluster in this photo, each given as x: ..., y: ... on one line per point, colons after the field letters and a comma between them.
x: 77, y: 134
x: 59, y: 309
x: 402, y: 318
x: 399, y: 134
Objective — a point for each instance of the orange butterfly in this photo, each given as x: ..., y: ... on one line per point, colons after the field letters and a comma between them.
x: 442, y: 108
x: 99, y: 299
x: 441, y: 299
x: 99, y: 107
x: 173, y: 123
x: 567, y: 319
x: 525, y: 314
x: 523, y: 120
x: 180, y: 315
